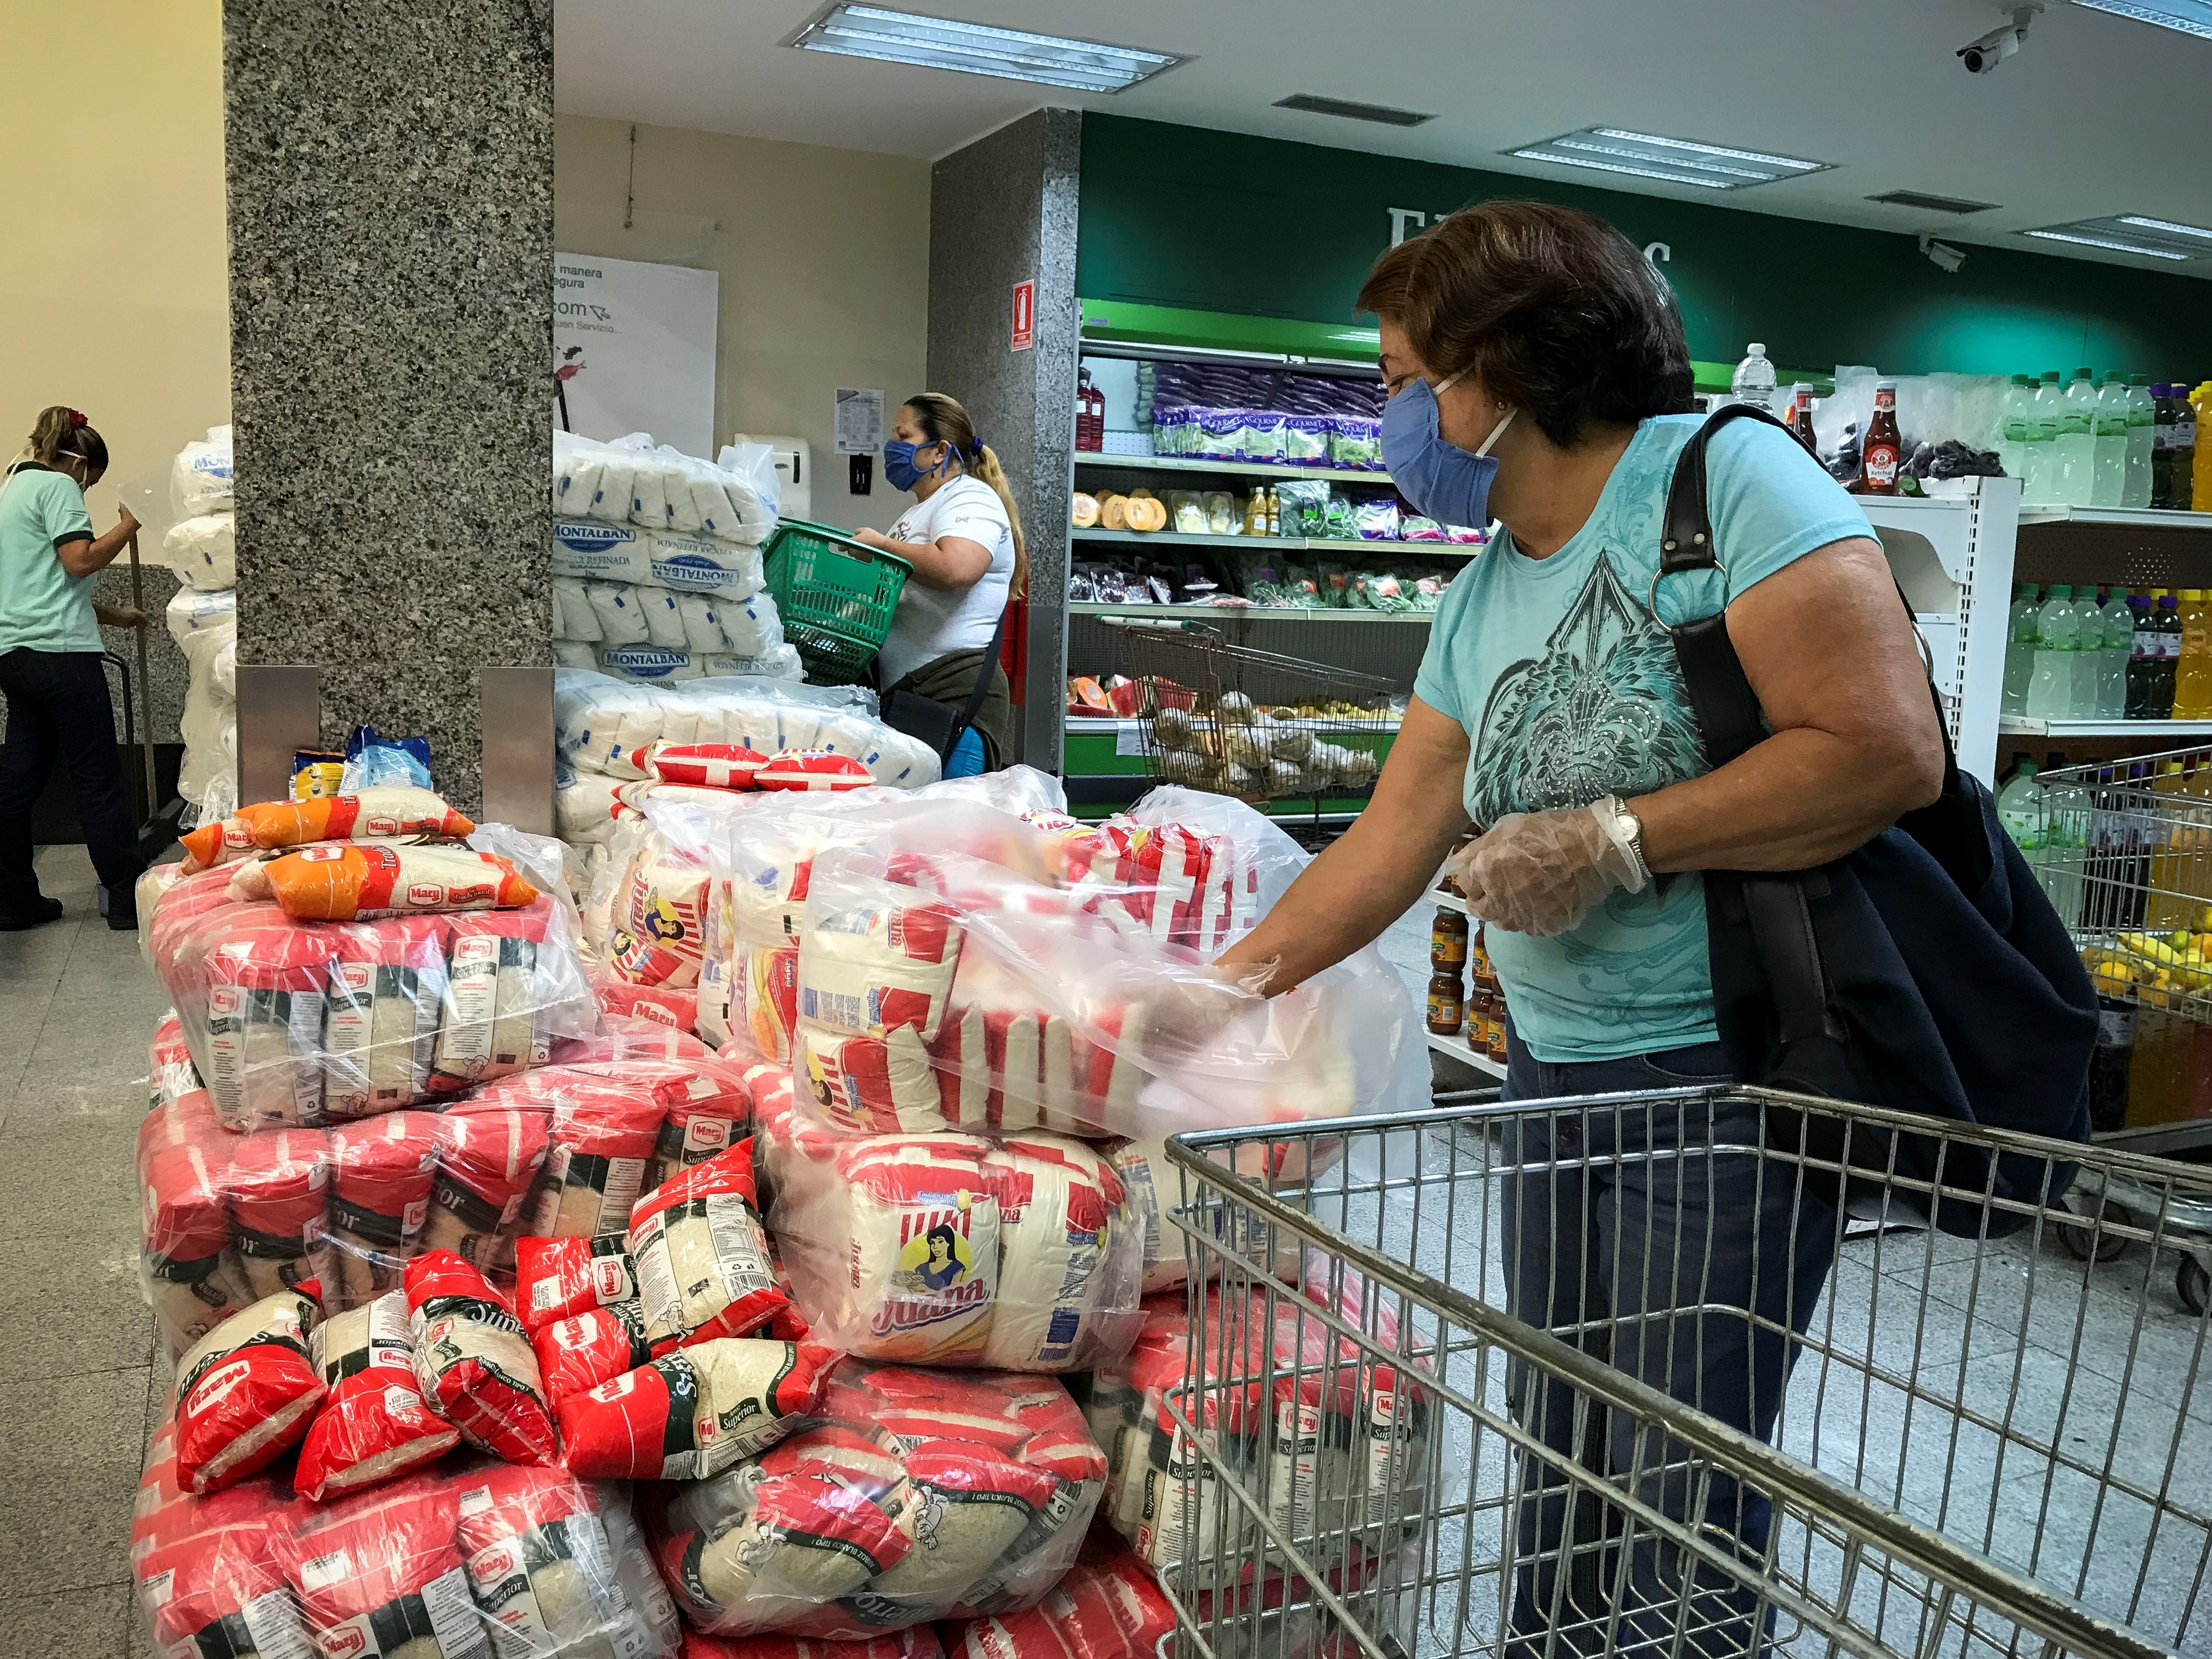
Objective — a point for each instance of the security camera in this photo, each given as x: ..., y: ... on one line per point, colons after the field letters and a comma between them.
x: 1942, y: 254
x: 1982, y: 57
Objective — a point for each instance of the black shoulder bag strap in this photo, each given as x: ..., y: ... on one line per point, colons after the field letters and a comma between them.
x: 1776, y: 905
x: 982, y: 688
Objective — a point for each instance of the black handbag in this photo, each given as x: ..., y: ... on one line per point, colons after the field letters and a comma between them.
x: 1925, y: 971
x: 933, y: 722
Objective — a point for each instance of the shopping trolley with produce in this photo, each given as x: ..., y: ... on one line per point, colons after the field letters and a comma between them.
x: 1252, y: 723
x: 1973, y: 1447
x: 2124, y: 851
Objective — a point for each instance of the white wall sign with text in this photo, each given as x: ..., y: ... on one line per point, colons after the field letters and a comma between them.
x: 638, y: 341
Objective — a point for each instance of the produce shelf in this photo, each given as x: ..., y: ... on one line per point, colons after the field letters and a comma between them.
x: 1293, y: 543
x: 1456, y: 1047
x: 1235, y: 469
x: 2138, y: 518
x: 1273, y: 613
x: 2016, y: 726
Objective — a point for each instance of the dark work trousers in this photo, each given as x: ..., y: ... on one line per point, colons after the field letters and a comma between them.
x: 57, y: 705
x: 1654, y: 1237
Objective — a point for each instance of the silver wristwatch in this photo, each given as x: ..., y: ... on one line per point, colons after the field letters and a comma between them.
x: 1628, y: 830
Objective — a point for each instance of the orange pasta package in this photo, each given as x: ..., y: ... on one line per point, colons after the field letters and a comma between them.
x: 363, y: 881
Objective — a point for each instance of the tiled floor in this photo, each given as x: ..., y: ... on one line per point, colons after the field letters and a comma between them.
x: 78, y: 1381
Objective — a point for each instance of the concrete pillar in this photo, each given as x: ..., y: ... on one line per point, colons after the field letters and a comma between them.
x: 1002, y: 212
x: 390, y: 174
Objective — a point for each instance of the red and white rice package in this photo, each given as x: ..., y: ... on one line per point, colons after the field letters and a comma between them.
x: 279, y: 1185
x: 214, y: 1585
x: 191, y: 1277
x: 473, y: 1360
x: 374, y: 1426
x: 915, y: 1641
x: 382, y: 1170
x: 556, y: 1278
x: 916, y: 1495
x: 1337, y: 1446
x: 1109, y: 1609
x: 811, y: 769
x: 704, y: 1268
x: 246, y: 1391
x: 1023, y: 1254
x: 709, y: 765
x: 577, y: 1353
x: 170, y: 1073
x: 489, y: 1156
x: 694, y: 1412
x: 558, y: 1567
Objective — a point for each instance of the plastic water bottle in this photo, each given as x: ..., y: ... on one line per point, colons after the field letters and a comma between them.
x: 2020, y: 648
x: 2045, y: 413
x: 2143, y: 419
x: 2088, y: 652
x: 1753, y: 381
x: 2065, y: 853
x: 2077, y: 440
x: 2109, y: 445
x: 2020, y: 805
x: 2120, y: 640
x: 2050, y: 688
x: 2012, y: 426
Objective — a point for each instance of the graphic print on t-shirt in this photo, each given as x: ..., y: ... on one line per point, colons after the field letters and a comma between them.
x: 1602, y: 711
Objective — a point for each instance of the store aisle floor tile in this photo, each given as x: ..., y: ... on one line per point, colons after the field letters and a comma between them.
x: 69, y: 1469
x: 67, y: 1174
x: 106, y: 1328
x: 91, y: 1624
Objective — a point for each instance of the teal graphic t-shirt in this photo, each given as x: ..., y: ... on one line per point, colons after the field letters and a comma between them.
x: 1569, y: 690
x: 41, y: 604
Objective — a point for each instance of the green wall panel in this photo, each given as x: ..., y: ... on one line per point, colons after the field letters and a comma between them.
x: 1197, y: 220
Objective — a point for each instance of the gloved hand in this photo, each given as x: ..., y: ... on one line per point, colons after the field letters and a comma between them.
x: 1539, y: 872
x: 1182, y: 1017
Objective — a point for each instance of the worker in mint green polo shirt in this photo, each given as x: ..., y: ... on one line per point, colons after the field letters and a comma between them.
x: 51, y: 671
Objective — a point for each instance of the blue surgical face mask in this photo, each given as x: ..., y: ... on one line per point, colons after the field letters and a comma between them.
x: 1442, y: 480
x: 899, y: 470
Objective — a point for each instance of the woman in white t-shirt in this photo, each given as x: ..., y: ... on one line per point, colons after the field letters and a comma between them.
x: 964, y: 538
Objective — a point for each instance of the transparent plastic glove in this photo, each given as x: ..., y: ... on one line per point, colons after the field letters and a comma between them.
x: 1539, y: 873
x: 1182, y: 1016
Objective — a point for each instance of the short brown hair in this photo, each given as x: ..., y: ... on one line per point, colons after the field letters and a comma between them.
x: 1555, y: 309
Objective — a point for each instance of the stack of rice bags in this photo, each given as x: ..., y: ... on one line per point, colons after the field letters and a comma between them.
x: 657, y: 561
x: 604, y: 729
x: 202, y: 616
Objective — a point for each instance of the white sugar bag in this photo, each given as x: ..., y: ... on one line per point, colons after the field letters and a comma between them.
x: 798, y: 726
x: 680, y: 723
x: 200, y: 478
x: 751, y: 625
x: 649, y: 494
x: 653, y: 665
x: 576, y: 463
x: 621, y: 621
x: 597, y: 551
x: 846, y: 734
x: 702, y: 628
x: 664, y: 621
x: 574, y: 618
x: 190, y: 611
x: 618, y: 476
x: 203, y: 551
x: 575, y: 653
x: 701, y: 565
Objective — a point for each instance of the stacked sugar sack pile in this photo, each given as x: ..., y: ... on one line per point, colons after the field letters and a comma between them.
x: 657, y: 571
x: 202, y: 617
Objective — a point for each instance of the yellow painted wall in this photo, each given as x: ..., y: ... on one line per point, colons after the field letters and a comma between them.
x: 113, y: 282
x: 824, y: 256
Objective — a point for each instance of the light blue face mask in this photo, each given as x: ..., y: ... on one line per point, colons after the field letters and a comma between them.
x: 1442, y: 480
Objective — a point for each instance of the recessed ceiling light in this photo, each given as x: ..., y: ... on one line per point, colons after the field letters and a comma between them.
x: 1676, y: 160
x: 2154, y: 238
x: 905, y: 37
x: 2190, y: 16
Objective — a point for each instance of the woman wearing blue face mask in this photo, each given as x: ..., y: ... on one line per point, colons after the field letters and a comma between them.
x: 964, y: 538
x: 1536, y: 365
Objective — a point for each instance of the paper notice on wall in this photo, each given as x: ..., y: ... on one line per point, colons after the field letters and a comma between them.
x: 859, y: 420
x: 634, y: 350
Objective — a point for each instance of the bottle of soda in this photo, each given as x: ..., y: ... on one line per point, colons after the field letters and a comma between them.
x: 1883, y: 452
x: 1801, y: 421
x: 2161, y: 446
x: 2169, y: 659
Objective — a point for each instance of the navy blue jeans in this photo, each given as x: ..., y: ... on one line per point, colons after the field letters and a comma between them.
x: 58, y: 706
x: 1636, y: 1233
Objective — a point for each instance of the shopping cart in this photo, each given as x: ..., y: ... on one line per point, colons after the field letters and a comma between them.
x: 1253, y: 724
x: 1972, y: 1451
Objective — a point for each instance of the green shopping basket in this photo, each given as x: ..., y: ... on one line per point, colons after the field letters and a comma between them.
x: 835, y: 596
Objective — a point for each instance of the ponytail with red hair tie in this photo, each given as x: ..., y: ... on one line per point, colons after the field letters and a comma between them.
x: 75, y: 418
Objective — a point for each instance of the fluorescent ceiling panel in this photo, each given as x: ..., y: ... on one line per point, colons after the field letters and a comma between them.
x: 2133, y: 232
x: 905, y: 37
x: 1675, y: 161
x: 2190, y: 16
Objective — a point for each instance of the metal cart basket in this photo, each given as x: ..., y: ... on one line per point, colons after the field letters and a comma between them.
x: 1254, y: 724
x: 1971, y: 1448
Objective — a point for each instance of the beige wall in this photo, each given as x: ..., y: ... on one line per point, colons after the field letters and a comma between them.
x: 113, y: 275
x: 824, y: 256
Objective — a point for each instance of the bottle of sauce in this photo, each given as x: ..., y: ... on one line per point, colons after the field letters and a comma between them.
x: 1800, y: 421
x: 1448, y: 942
x: 1880, y: 454
x: 1090, y: 414
x: 1256, y: 512
x: 1447, y: 1005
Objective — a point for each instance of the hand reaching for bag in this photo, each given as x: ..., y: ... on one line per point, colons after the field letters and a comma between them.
x: 1539, y: 873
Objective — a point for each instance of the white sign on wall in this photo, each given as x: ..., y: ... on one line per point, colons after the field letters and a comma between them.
x: 633, y: 347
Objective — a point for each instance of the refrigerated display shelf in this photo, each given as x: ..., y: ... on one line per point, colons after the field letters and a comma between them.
x: 2018, y: 726
x: 1293, y: 543
x: 1273, y: 613
x: 2137, y: 518
x: 1235, y: 469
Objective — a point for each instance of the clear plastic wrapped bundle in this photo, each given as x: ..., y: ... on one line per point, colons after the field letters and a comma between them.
x: 632, y: 480
x: 294, y: 1024
x: 1107, y: 1607
x: 915, y: 1495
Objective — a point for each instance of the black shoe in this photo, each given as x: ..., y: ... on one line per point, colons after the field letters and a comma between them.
x: 123, y: 921
x: 42, y: 911
x: 120, y: 907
